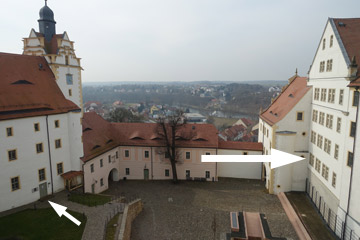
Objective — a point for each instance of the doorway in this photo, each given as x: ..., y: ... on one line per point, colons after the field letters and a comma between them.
x: 146, y: 174
x: 43, y: 190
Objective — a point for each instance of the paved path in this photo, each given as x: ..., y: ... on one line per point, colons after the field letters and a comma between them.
x: 96, y: 216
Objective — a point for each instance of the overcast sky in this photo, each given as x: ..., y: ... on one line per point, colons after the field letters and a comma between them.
x: 182, y: 40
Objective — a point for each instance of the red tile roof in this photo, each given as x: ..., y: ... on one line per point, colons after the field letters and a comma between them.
x: 27, y: 91
x: 71, y: 174
x: 349, y: 31
x: 97, y: 132
x: 292, y: 94
x: 251, y: 146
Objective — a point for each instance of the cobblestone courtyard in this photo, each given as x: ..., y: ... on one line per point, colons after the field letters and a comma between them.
x: 199, y: 210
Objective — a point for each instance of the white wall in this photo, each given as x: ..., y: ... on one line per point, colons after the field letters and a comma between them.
x: 239, y: 170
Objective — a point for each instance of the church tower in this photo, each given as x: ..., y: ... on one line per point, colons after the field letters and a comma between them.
x: 59, y: 53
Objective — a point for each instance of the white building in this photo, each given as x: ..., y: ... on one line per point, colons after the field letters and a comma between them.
x: 114, y: 151
x: 333, y: 171
x: 333, y: 126
x: 284, y: 125
x: 40, y: 117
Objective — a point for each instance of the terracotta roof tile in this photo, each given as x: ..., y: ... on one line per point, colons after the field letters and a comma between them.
x: 349, y: 31
x: 251, y: 146
x: 291, y: 95
x: 26, y: 90
x: 71, y: 174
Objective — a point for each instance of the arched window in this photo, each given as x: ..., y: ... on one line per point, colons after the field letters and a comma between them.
x: 331, y: 40
x: 324, y: 42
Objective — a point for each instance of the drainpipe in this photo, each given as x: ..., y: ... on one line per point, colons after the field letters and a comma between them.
x: 152, y: 176
x: 48, y: 138
x: 352, y: 167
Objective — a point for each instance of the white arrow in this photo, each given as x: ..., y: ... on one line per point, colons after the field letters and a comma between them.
x: 277, y: 158
x: 61, y: 210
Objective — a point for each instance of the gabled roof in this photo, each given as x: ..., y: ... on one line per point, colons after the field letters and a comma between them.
x: 28, y: 88
x: 97, y: 132
x: 283, y: 104
x: 349, y: 31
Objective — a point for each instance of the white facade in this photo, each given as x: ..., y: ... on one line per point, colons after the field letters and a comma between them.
x: 239, y: 170
x: 64, y: 64
x: 28, y: 161
x: 291, y: 136
x: 333, y: 185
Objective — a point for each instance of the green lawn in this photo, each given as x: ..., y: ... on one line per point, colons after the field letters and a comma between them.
x: 111, y: 230
x: 89, y: 199
x: 41, y: 224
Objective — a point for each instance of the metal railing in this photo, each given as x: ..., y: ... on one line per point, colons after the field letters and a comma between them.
x: 332, y: 220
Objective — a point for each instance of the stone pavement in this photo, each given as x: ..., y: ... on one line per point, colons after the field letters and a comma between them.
x: 96, y: 216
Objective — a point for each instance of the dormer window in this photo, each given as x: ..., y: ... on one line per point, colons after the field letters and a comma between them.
x: 324, y: 43
x: 331, y: 40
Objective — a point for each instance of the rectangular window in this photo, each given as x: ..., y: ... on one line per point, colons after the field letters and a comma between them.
x: 15, y: 183
x: 336, y: 152
x: 9, y: 131
x: 101, y: 163
x: 331, y: 96
x: 315, y: 115
x: 313, y: 137
x: 127, y: 171
x: 109, y: 158
x: 187, y: 155
x: 299, y: 116
x: 117, y: 154
x: 338, y: 125
x: 207, y: 153
x: 319, y: 141
x: 352, y: 129
x: 101, y: 182
x: 60, y: 168
x: 207, y: 174
x: 329, y: 121
x: 317, y: 94
x: 333, y: 182
x: 311, y: 160
x: 146, y: 154
x: 355, y: 98
x: 58, y: 143
x: 341, y: 96
x: 187, y: 172
x: 167, y: 173
x: 350, y: 159
x: 127, y: 153
x: 323, y: 94
x: 70, y: 92
x: 325, y: 172
x: 327, y: 146
x: 12, y: 155
x: 167, y: 155
x: 321, y: 118
x: 36, y: 127
x: 329, y: 65
x: 57, y: 123
x: 39, y: 148
x: 317, y: 165
x: 92, y: 167
x: 42, y: 175
x: 246, y: 153
x: 69, y: 79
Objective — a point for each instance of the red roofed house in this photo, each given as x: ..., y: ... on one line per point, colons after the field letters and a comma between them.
x: 40, y: 117
x: 114, y: 151
x: 284, y: 125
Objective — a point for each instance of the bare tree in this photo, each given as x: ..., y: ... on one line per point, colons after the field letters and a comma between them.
x: 170, y: 128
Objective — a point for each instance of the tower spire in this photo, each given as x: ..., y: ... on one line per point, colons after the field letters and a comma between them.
x: 45, y: 2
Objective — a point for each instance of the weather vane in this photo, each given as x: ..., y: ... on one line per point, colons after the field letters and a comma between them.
x: 45, y: 2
